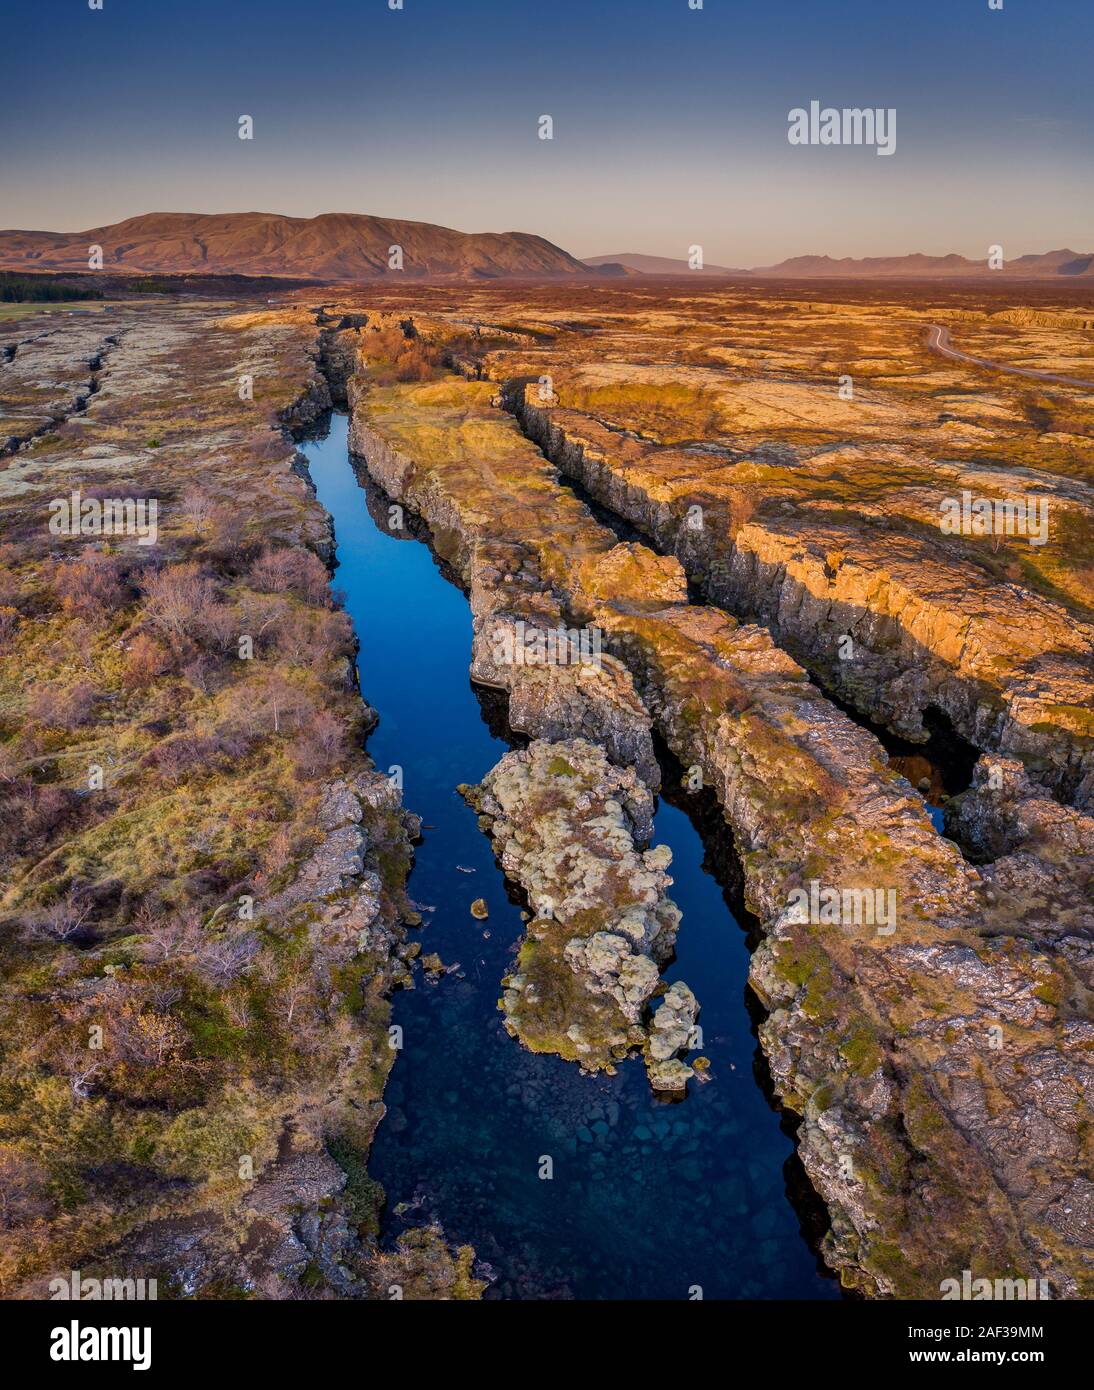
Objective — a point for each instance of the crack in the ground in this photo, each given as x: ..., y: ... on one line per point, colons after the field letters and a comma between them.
x: 952, y: 755
x: 77, y: 405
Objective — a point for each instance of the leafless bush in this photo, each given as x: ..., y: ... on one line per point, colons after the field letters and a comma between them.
x: 177, y: 598
x: 234, y: 740
x: 143, y: 1038
x: 313, y: 639
x: 197, y: 506
x: 9, y: 764
x: 219, y: 627
x: 291, y: 570
x: 198, y: 670
x: 63, y: 920
x: 224, y: 956
x: 81, y: 1064
x: 89, y: 587
x: 319, y: 744
x: 145, y: 661
x: 30, y: 814
x: 270, y: 705
x: 61, y: 707
x: 172, y: 937
x: 182, y: 755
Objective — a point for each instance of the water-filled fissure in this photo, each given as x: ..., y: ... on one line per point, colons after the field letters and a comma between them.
x: 645, y: 1199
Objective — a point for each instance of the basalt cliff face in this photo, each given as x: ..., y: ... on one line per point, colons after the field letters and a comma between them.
x: 937, y: 1055
x: 893, y: 621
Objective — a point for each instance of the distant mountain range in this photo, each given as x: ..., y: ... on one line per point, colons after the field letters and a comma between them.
x: 334, y: 246
x: 1048, y: 266
x: 347, y: 246
x: 1051, y: 265
x: 638, y: 264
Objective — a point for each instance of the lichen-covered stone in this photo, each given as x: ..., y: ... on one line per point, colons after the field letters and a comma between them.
x: 568, y: 827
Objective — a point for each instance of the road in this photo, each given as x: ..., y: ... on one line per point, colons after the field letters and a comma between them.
x: 938, y: 340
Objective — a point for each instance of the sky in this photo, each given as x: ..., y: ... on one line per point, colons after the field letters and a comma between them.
x: 670, y: 123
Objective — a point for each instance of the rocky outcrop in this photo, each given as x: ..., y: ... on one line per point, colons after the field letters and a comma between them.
x: 561, y: 684
x: 1037, y: 856
x: 50, y: 376
x: 938, y: 1070
x: 337, y: 890
x: 672, y: 1032
x: 568, y: 827
x: 893, y: 622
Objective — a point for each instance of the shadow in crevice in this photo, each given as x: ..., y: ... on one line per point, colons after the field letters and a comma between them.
x: 722, y: 862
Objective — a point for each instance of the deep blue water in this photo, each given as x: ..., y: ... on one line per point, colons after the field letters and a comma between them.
x: 648, y: 1199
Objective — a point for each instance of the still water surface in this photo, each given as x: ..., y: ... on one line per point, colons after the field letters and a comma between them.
x: 648, y: 1199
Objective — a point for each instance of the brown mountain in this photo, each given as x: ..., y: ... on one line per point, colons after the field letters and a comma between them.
x: 1036, y: 267
x: 656, y: 265
x: 333, y: 246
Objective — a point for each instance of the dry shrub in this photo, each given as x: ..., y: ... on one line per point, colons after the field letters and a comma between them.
x: 66, y: 919
x: 225, y: 533
x: 145, y: 662
x: 171, y: 937
x: 10, y: 589
x: 313, y: 639
x: 395, y: 357
x: 90, y: 588
x: 280, y: 852
x: 177, y: 599
x: 197, y: 506
x: 148, y: 1054
x: 271, y: 705
x: 181, y: 604
x: 192, y: 751
x: 61, y: 707
x: 219, y: 626
x: 9, y: 764
x: 291, y: 570
x: 741, y: 508
x: 223, y: 956
x: 31, y: 814
x: 319, y: 744
x: 183, y: 755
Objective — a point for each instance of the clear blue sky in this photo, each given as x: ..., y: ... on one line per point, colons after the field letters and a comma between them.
x: 670, y: 124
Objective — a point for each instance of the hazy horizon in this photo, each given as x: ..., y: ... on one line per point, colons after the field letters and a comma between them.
x: 670, y: 125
